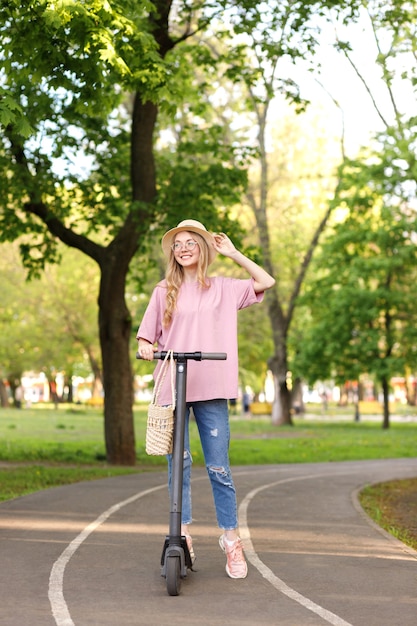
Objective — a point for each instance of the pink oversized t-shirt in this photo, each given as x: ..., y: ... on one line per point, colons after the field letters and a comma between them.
x: 205, y: 320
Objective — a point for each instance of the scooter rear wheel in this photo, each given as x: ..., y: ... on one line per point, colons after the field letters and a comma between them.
x: 173, y: 575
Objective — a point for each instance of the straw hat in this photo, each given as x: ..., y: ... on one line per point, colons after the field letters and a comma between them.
x: 192, y: 226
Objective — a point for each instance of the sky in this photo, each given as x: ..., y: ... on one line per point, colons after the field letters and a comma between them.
x: 341, y: 81
x: 334, y: 79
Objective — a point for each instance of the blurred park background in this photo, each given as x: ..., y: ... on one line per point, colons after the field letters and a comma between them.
x: 289, y: 125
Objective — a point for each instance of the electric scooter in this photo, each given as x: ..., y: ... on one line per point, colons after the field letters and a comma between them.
x: 176, y: 558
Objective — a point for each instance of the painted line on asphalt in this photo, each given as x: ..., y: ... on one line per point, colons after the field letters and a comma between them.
x: 56, y: 579
x: 56, y: 597
x: 264, y: 570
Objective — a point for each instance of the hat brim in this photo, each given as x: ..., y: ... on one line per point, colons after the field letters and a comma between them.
x: 168, y: 240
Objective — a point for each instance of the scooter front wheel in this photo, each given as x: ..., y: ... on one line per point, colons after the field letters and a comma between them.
x: 173, y: 575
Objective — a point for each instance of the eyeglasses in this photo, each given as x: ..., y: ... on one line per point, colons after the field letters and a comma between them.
x: 188, y: 245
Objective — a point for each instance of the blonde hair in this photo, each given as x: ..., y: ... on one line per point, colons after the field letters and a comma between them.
x: 175, y: 275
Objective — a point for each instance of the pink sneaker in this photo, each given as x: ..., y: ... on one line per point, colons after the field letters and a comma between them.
x: 190, y: 548
x: 236, y: 566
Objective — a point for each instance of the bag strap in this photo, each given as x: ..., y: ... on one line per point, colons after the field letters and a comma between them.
x: 161, y: 377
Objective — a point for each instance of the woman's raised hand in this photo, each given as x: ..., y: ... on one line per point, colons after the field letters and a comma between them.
x: 224, y: 245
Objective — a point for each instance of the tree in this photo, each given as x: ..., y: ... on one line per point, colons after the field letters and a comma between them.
x: 62, y: 67
x: 368, y: 319
x: 393, y: 22
x: 362, y: 301
x: 67, y: 70
x: 90, y: 80
x: 43, y: 325
x: 266, y: 38
x: 390, y: 26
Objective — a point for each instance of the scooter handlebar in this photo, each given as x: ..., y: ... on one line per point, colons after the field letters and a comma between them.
x: 214, y: 356
x: 196, y: 356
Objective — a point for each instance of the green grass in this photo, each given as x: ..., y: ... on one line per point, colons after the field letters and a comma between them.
x: 20, y: 481
x: 75, y: 436
x: 53, y: 447
x: 42, y: 447
x: 323, y: 442
x: 393, y: 505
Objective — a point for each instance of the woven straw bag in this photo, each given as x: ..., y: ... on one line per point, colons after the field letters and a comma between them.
x: 160, y: 424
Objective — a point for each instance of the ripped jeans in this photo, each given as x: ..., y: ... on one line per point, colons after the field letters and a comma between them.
x: 212, y: 418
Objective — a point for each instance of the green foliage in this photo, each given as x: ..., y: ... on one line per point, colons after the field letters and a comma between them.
x: 71, y: 83
x: 42, y: 325
x: 74, y: 44
x: 11, y: 113
x: 255, y: 347
x: 362, y: 296
x: 361, y: 314
x: 66, y: 68
x: 251, y: 39
x: 198, y: 178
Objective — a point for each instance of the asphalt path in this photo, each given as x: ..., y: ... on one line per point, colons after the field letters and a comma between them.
x: 89, y: 554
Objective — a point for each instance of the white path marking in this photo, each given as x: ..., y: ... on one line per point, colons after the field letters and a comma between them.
x: 56, y: 579
x: 268, y: 574
x: 56, y: 595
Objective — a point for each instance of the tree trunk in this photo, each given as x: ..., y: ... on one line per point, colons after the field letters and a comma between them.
x: 4, y: 398
x: 298, y: 406
x: 115, y: 334
x: 115, y: 323
x: 114, y: 259
x: 70, y: 393
x: 97, y: 386
x: 280, y: 320
x: 278, y: 363
x: 281, y: 407
x: 385, y: 390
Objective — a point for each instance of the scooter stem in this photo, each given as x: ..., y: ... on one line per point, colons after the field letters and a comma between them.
x: 178, y: 452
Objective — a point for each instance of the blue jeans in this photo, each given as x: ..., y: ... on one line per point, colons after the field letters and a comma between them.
x: 212, y: 418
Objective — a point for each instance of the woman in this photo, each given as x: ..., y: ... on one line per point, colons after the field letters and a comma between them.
x: 187, y: 312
